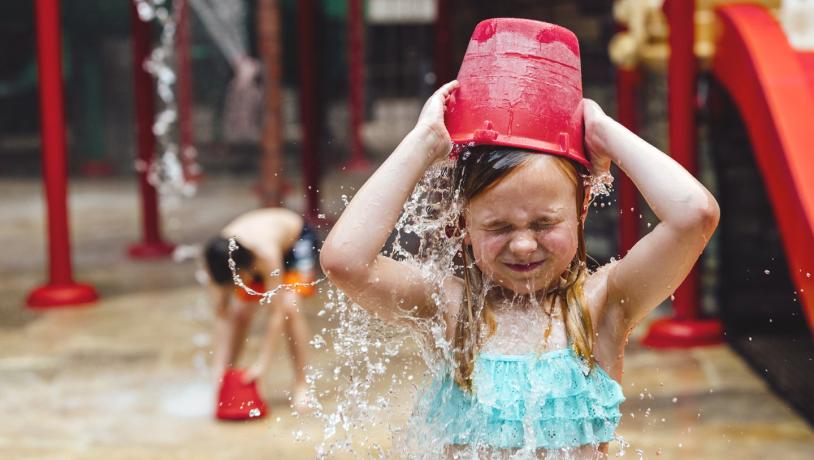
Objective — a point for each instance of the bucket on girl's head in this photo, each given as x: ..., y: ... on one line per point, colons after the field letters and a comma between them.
x: 238, y: 400
x: 520, y: 86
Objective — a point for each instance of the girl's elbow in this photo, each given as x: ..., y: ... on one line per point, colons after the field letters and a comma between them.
x: 705, y: 218
x: 331, y: 262
x: 337, y: 265
x: 710, y: 215
x: 700, y: 216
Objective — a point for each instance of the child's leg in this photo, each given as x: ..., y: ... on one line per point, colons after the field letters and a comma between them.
x: 274, y: 328
x: 230, y: 334
x: 297, y: 335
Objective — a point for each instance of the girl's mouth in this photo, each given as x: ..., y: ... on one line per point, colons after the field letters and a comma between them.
x: 524, y: 267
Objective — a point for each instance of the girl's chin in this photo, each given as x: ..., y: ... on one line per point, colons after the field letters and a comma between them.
x: 523, y: 287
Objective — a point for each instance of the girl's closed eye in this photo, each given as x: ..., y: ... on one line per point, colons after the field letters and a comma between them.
x: 500, y: 230
x: 541, y: 225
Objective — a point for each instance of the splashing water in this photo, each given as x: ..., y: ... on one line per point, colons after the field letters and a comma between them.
x: 368, y: 349
x: 370, y: 352
x: 265, y: 296
x: 601, y: 184
x: 166, y: 172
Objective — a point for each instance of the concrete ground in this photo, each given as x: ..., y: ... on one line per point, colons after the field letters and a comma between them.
x: 128, y: 377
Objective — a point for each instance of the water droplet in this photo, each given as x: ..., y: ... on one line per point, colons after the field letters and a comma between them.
x: 766, y: 272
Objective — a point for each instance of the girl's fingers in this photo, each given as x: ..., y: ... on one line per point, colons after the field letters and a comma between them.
x: 447, y: 89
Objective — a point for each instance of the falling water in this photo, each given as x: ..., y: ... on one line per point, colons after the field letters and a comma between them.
x: 166, y: 172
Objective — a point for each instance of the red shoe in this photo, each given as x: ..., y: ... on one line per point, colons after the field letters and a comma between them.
x: 238, y: 400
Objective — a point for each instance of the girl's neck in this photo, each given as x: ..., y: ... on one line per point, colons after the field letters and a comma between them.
x: 503, y: 298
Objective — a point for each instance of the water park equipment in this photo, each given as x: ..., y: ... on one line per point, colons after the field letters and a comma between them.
x: 521, y: 86
x: 238, y: 400
x: 752, y: 59
x: 686, y: 328
x: 61, y: 289
x: 772, y: 85
x: 759, y: 106
x: 152, y: 244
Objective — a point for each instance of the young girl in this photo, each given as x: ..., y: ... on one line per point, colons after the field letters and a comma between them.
x: 537, y: 340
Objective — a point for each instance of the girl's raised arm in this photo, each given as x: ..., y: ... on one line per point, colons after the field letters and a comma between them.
x: 350, y: 256
x: 688, y: 215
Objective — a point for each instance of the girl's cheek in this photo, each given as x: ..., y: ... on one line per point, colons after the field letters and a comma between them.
x: 559, y: 242
x: 487, y: 248
x: 491, y: 246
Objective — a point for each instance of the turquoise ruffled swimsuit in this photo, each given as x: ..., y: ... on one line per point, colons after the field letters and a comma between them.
x: 550, y: 400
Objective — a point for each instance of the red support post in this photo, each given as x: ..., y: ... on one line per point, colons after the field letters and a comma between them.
x: 61, y: 290
x: 685, y: 328
x: 443, y: 42
x: 628, y: 196
x: 356, y: 83
x: 185, y: 98
x: 152, y: 246
x: 309, y: 89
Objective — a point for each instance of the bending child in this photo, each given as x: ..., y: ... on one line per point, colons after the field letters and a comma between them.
x: 274, y: 245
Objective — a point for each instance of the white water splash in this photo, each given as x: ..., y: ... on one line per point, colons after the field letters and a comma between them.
x: 169, y: 171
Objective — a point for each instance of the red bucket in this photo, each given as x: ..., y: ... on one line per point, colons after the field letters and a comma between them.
x: 238, y: 400
x: 521, y: 86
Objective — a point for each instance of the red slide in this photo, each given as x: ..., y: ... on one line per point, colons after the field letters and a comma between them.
x: 773, y: 88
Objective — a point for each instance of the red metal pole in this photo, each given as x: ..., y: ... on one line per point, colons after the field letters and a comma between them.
x: 61, y: 290
x: 626, y: 82
x: 185, y: 98
x: 356, y: 82
x: 443, y: 43
x: 308, y: 106
x: 152, y: 246
x: 685, y: 329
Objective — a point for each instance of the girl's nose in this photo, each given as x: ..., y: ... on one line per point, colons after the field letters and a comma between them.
x: 523, y: 244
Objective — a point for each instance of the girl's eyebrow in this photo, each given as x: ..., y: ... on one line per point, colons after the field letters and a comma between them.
x: 551, y: 216
x: 495, y: 223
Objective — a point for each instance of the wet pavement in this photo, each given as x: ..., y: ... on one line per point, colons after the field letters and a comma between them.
x: 128, y: 377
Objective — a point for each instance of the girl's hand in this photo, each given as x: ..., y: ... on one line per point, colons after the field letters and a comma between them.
x: 595, y: 120
x: 431, y: 120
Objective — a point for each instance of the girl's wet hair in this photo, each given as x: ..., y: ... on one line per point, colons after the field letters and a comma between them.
x: 216, y: 254
x: 476, y: 171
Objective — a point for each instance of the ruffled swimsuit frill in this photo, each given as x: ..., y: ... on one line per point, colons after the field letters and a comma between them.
x: 550, y: 400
